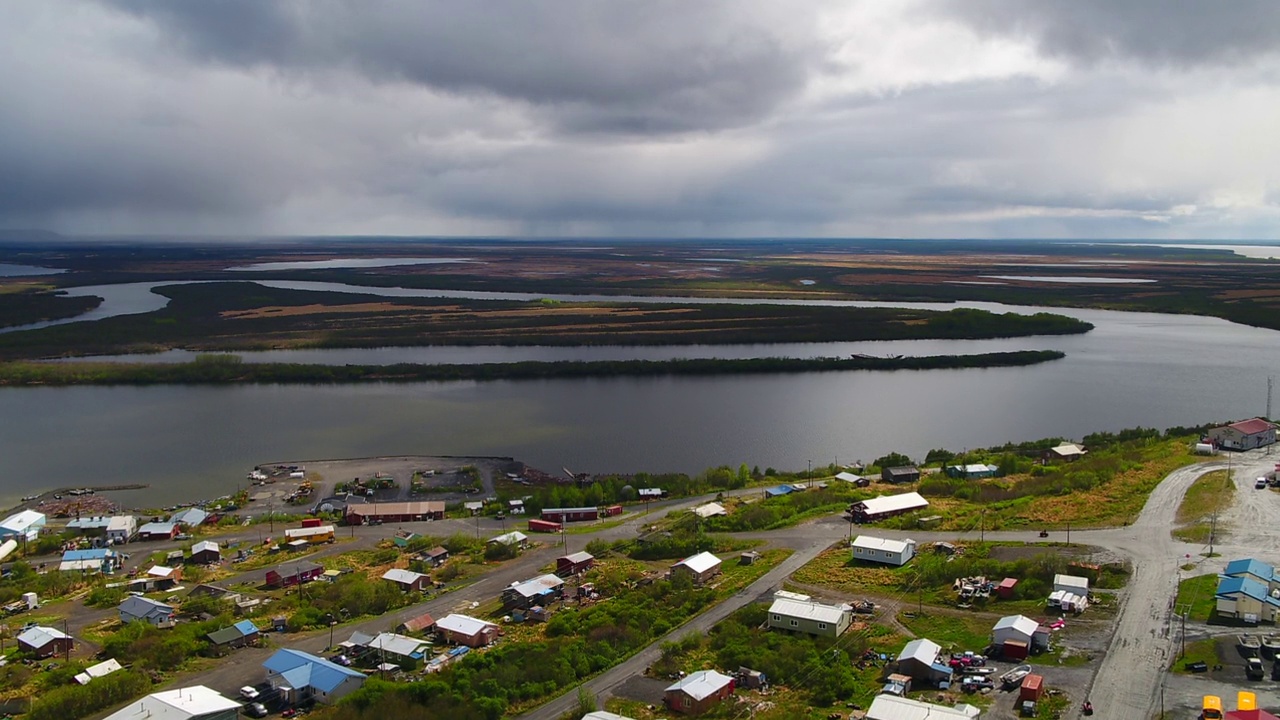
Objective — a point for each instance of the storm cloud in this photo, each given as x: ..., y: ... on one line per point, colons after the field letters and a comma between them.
x: 983, y: 118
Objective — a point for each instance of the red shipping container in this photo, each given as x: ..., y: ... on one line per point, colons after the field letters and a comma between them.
x: 613, y: 510
x: 311, y: 522
x: 1032, y: 688
x: 545, y: 526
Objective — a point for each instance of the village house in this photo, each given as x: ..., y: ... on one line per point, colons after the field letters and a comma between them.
x: 883, y: 550
x: 25, y: 525
x: 238, y: 635
x: 43, y: 642
x: 394, y: 512
x: 408, y: 580
x: 541, y: 591
x: 1246, y: 599
x: 885, y: 506
x: 301, y: 677
x: 700, y: 568
x: 807, y: 616
x: 466, y: 630
x: 920, y: 661
x: 423, y: 623
x: 698, y: 691
x: 1256, y: 570
x: 1244, y: 435
x: 436, y: 555
x: 121, y: 529
x: 293, y: 573
x: 190, y: 517
x: 97, y: 560
x: 972, y: 472
x: 890, y: 707
x: 190, y: 703
x: 96, y: 525
x: 398, y: 649
x: 856, y: 480
x: 574, y: 563
x: 515, y: 537
x: 205, y: 552
x: 152, y: 612
x: 102, y: 669
x: 1064, y: 452
x: 158, y: 531
x: 1018, y: 634
x: 904, y: 474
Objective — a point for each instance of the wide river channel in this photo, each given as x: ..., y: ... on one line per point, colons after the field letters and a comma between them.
x: 190, y: 442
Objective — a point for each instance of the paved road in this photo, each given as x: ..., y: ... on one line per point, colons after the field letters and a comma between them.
x: 602, y: 685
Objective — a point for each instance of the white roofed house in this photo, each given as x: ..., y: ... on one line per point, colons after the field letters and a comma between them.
x: 189, y: 703
x: 698, y: 691
x: 407, y: 579
x: 122, y: 528
x: 883, y: 550
x: 885, y: 506
x: 205, y: 552
x: 809, y: 617
x: 396, y: 648
x: 700, y: 568
x: 920, y: 659
x: 466, y: 630
x: 514, y: 537
x: 1019, y: 629
x: 24, y: 525
x: 539, y: 591
x: 890, y: 707
x: 43, y: 642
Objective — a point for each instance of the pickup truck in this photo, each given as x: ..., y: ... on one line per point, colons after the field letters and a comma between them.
x: 1253, y: 669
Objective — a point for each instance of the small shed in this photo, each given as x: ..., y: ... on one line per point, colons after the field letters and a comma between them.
x: 423, y: 623
x: 1004, y: 590
x: 751, y: 679
x: 700, y: 568
x: 904, y: 474
x: 574, y: 563
x: 205, y: 552
x: 1071, y: 583
x: 920, y: 660
x: 407, y: 580
x: 43, y: 642
x: 436, y: 555
x: 1014, y: 627
x: 697, y: 692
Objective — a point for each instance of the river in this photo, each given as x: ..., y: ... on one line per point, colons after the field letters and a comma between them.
x: 197, y: 442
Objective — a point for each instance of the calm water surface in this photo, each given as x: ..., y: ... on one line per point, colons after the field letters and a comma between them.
x: 196, y: 442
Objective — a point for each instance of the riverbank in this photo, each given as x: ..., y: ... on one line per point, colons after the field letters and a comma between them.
x: 228, y: 370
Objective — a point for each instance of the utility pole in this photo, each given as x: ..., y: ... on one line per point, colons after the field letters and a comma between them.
x: 982, y: 526
x: 810, y: 473
x: 1068, y: 533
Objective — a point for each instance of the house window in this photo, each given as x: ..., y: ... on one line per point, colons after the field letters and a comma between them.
x: 777, y: 618
x: 822, y: 626
x: 685, y: 702
x: 795, y: 623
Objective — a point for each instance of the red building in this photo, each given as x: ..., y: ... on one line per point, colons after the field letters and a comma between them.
x: 293, y: 573
x: 394, y: 512
x: 544, y: 526
x: 613, y: 511
x: 574, y: 564
x: 698, y: 692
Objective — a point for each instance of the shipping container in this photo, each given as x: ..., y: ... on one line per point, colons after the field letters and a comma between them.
x: 544, y: 526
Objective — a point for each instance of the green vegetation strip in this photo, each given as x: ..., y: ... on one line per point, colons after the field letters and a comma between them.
x: 1209, y: 494
x: 1197, y: 593
x: 224, y: 372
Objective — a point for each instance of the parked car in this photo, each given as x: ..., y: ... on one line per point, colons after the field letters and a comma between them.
x: 1260, y: 483
x: 1253, y: 669
x: 974, y: 683
x: 342, y: 660
x: 248, y: 692
x: 256, y: 710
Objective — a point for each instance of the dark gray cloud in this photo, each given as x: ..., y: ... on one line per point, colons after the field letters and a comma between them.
x: 652, y: 67
x: 1167, y: 32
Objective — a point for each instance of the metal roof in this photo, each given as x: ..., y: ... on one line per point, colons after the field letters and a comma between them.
x: 306, y: 670
x: 808, y: 610
x: 401, y: 645
x: 463, y: 624
x: 39, y: 636
x: 510, y: 538
x: 308, y: 531
x: 204, y: 545
x: 1070, y: 581
x: 1021, y: 623
x: 710, y: 509
x: 417, y: 507
x: 1251, y: 427
x: 22, y: 521
x: 1250, y: 566
x: 537, y: 586
x: 891, y: 707
x: 921, y: 649
x: 180, y: 704
x: 399, y: 575
x: 106, y: 667
x: 578, y: 557
x: 893, y: 503
x: 190, y: 516
x: 700, y: 563
x: 870, y: 542
x: 701, y: 684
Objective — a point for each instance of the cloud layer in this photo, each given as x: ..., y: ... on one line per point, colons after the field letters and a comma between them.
x: 985, y: 118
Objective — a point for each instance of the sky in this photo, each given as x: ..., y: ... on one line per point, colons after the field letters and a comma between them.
x: 1088, y: 119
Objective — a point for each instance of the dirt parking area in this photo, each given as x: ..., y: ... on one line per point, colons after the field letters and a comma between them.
x: 443, y: 472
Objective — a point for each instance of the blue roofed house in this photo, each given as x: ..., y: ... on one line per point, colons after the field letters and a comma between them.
x: 778, y: 491
x: 1248, y: 590
x: 190, y: 517
x: 24, y: 525
x: 98, y: 560
x: 301, y: 676
x: 152, y: 612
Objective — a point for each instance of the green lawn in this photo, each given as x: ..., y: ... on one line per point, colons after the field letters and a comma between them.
x: 1197, y: 651
x: 1198, y: 592
x: 1210, y: 493
x: 956, y: 633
